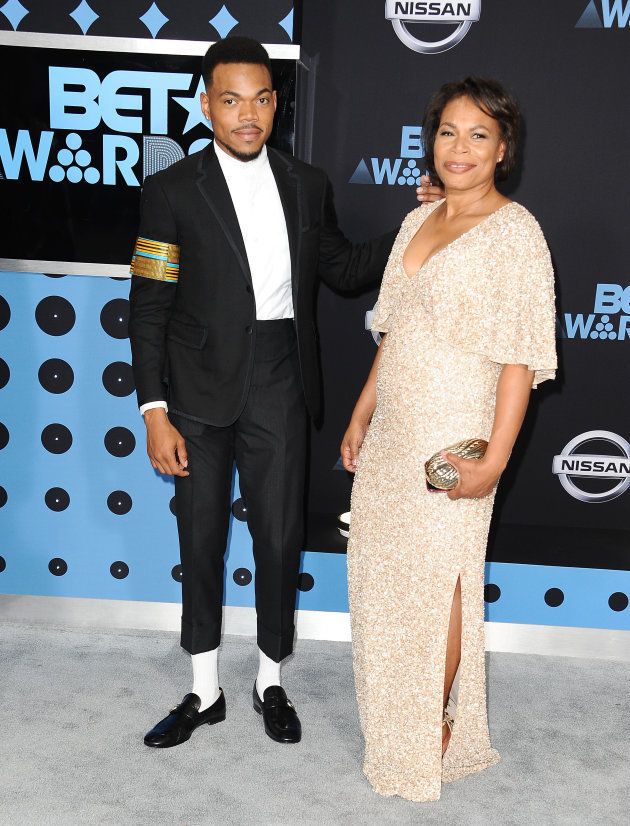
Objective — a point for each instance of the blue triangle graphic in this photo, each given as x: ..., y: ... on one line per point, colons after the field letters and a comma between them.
x: 361, y: 174
x: 590, y: 19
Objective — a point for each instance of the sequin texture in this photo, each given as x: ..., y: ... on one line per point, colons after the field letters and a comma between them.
x: 485, y: 300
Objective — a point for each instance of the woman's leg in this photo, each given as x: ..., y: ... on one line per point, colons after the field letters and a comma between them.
x: 453, y: 654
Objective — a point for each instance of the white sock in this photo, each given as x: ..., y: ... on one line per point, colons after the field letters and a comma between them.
x: 206, y: 677
x: 268, y: 673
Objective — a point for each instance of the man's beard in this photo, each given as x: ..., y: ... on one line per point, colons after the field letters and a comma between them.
x: 242, y: 156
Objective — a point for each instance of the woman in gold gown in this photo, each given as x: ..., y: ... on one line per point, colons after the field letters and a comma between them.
x: 467, y: 314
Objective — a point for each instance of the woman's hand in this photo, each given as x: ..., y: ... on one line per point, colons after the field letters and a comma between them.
x: 477, y: 477
x: 351, y: 444
x: 426, y: 193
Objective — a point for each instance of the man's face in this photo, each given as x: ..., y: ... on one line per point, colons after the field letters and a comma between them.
x: 241, y: 105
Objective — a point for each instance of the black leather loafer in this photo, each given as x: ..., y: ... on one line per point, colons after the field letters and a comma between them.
x: 183, y: 720
x: 281, y: 721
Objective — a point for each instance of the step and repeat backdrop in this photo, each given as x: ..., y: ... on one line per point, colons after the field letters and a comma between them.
x: 97, y: 95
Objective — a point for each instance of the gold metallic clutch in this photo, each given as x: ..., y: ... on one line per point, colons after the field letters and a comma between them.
x: 441, y: 474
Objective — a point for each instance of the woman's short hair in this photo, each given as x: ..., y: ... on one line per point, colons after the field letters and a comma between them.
x: 493, y: 99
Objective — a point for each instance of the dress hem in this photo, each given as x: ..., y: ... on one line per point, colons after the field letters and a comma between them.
x: 458, y: 771
x: 449, y: 774
x: 395, y: 789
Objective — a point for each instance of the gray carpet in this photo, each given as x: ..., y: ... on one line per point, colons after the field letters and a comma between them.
x: 75, y: 704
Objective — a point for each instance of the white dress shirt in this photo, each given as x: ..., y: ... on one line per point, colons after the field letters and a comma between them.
x: 258, y: 207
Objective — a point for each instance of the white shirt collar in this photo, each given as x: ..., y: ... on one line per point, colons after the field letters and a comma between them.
x: 232, y: 166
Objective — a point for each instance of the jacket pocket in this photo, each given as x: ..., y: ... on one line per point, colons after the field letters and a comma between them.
x: 190, y: 335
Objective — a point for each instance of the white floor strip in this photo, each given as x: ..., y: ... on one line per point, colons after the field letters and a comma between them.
x: 592, y: 643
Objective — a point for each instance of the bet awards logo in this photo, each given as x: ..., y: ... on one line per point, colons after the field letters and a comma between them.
x: 602, y: 476
x: 127, y: 133
x: 609, y: 321
x: 404, y: 14
x: 614, y: 14
x: 404, y: 170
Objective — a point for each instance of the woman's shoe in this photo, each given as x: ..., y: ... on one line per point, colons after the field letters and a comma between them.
x: 447, y: 721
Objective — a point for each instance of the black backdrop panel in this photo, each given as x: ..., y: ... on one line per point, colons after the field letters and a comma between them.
x: 75, y: 145
x: 573, y: 86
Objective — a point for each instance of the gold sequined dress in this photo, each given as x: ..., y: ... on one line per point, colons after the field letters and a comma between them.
x: 485, y: 300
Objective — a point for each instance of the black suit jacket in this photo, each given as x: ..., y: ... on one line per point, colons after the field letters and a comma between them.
x: 193, y: 341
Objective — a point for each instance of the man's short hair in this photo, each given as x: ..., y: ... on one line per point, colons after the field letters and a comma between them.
x: 234, y: 50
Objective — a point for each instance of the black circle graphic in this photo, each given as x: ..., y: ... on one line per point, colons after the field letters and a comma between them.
x: 56, y: 376
x: 305, y: 582
x: 3, y: 497
x: 120, y: 442
x: 57, y: 499
x: 119, y: 570
x: 618, y: 601
x: 55, y: 315
x: 56, y: 438
x: 3, y: 564
x: 491, y: 592
x: 173, y: 506
x: 5, y: 373
x: 54, y: 274
x: 118, y: 379
x: 5, y: 312
x: 119, y: 502
x: 115, y: 318
x: 554, y: 597
x: 176, y: 573
x: 239, y: 510
x: 4, y: 436
x: 57, y: 567
x: 242, y: 576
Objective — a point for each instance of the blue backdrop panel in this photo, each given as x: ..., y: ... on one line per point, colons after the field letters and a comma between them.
x: 92, y: 519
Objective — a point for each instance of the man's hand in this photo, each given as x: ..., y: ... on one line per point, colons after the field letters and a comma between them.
x: 165, y: 444
x: 351, y: 444
x: 427, y: 192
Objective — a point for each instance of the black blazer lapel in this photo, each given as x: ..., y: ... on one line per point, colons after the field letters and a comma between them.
x: 212, y: 185
x: 289, y: 188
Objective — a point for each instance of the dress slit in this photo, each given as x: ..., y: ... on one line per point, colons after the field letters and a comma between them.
x: 462, y: 758
x: 442, y: 674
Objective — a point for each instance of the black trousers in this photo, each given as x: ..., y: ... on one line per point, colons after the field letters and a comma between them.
x: 268, y: 444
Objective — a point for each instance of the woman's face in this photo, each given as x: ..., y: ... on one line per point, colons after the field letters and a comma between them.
x: 468, y: 146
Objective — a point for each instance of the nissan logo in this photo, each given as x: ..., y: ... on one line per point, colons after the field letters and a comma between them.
x: 463, y: 15
x: 572, y: 464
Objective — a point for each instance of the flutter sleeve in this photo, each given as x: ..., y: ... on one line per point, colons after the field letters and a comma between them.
x: 531, y: 319
x: 503, y: 306
x: 383, y: 314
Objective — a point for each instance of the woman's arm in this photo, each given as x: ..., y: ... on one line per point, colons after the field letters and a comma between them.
x: 361, y: 416
x: 477, y: 477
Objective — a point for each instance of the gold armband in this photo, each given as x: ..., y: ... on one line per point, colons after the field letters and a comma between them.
x: 155, y: 259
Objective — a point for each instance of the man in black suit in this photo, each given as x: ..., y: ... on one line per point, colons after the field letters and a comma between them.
x: 231, y: 243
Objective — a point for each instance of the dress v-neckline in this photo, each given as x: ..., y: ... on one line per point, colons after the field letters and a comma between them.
x: 428, y: 260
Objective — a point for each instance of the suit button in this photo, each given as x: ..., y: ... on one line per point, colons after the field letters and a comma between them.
x: 248, y: 329
x: 249, y: 289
